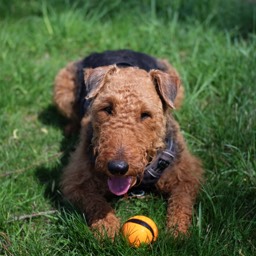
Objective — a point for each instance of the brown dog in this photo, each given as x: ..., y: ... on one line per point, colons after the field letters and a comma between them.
x: 128, y: 136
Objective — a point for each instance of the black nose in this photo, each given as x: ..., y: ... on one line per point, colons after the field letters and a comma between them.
x: 118, y: 167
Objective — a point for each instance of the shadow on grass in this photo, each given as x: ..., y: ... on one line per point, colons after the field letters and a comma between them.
x: 51, y: 117
x: 50, y: 176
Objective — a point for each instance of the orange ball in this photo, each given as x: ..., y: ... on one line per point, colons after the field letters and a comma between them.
x: 140, y: 230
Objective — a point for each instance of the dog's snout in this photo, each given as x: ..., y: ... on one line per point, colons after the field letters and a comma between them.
x: 118, y: 167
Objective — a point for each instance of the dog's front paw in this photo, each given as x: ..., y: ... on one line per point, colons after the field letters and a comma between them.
x: 179, y: 225
x: 108, y: 226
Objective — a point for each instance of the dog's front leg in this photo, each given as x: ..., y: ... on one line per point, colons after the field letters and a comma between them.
x: 100, y: 215
x: 180, y: 208
x: 181, y: 182
x: 87, y: 193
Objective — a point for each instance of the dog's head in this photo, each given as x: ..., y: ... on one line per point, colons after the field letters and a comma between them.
x: 128, y: 111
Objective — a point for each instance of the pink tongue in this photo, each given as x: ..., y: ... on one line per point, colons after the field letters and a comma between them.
x: 119, y: 185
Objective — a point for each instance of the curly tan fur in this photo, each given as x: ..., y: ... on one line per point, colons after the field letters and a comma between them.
x: 113, y: 128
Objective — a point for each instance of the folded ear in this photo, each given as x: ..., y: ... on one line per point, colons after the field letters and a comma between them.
x: 94, y: 79
x: 166, y: 85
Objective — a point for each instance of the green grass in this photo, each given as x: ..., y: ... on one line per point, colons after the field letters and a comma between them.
x: 211, y: 43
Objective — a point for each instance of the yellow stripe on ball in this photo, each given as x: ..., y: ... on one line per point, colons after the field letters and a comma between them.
x: 140, y: 229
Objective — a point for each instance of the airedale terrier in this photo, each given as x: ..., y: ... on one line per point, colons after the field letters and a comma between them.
x: 123, y: 101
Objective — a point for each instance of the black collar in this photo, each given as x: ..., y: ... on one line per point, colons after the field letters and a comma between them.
x: 155, y: 169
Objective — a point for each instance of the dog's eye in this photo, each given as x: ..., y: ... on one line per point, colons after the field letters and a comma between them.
x: 108, y: 110
x: 145, y: 115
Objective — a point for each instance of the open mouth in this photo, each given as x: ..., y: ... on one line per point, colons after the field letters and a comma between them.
x: 119, y: 185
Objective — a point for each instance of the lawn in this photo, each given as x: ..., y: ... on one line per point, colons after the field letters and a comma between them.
x: 213, y: 46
